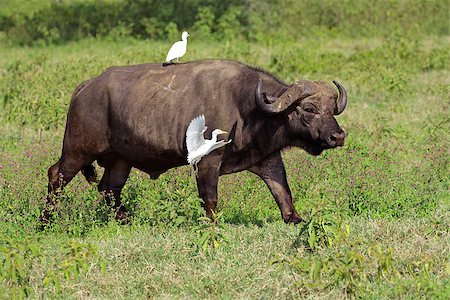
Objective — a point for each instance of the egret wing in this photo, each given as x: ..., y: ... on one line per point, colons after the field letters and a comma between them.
x: 194, y: 133
x: 175, y: 51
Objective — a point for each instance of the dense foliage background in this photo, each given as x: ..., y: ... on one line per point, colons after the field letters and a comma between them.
x: 60, y: 21
x: 376, y: 210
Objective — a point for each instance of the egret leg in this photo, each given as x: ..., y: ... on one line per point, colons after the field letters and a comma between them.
x: 272, y: 171
x: 196, y: 169
x: 193, y: 171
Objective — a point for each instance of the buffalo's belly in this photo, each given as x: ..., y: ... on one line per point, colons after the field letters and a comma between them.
x: 148, y: 157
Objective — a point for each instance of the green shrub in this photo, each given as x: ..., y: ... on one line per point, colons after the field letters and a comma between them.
x: 60, y: 21
x: 204, y: 24
x: 324, y: 227
x: 15, y: 264
x: 211, y: 233
x: 229, y: 26
x: 21, y: 260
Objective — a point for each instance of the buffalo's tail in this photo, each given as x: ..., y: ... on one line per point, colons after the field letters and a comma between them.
x: 90, y: 173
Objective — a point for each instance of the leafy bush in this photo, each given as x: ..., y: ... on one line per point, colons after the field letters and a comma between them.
x: 19, y: 260
x: 204, y: 23
x: 350, y: 269
x: 173, y: 203
x: 211, y: 233
x: 177, y: 208
x: 229, y: 26
x: 15, y: 263
x: 61, y: 21
x: 325, y: 226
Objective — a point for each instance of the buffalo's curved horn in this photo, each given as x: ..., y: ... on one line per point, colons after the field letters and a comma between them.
x: 341, y: 102
x: 274, y: 105
x: 260, y: 100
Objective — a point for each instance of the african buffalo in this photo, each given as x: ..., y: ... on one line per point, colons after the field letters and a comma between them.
x: 136, y: 116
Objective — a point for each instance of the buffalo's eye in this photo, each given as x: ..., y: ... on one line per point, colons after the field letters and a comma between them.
x: 311, y: 109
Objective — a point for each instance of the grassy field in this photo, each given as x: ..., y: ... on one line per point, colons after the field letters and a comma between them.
x: 377, y: 210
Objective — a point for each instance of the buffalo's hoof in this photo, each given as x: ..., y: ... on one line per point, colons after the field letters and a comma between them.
x: 46, y: 217
x: 122, y: 215
x: 294, y: 219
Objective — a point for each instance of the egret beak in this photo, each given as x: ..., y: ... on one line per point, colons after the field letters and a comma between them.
x: 222, y: 132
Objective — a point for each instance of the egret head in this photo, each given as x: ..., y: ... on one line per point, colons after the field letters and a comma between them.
x: 216, y: 132
x: 184, y: 35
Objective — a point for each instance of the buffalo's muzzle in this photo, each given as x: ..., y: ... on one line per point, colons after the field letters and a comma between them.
x: 336, y: 139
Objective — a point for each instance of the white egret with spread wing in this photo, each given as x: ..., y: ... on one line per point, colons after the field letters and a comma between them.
x: 178, y: 49
x: 196, y: 144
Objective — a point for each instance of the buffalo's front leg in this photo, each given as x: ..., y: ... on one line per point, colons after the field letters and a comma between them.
x: 272, y: 171
x: 207, y: 179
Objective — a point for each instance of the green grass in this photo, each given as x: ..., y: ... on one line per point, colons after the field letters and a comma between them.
x: 389, y: 184
x: 144, y: 261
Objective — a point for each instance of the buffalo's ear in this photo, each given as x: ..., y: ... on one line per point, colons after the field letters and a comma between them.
x: 341, y: 102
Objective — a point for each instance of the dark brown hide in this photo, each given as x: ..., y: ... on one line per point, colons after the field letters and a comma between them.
x: 136, y: 116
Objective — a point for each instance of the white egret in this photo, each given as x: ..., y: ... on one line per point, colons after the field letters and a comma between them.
x: 178, y: 49
x: 196, y: 144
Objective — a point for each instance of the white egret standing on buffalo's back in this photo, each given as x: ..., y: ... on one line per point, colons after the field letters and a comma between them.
x: 196, y: 144
x: 178, y: 49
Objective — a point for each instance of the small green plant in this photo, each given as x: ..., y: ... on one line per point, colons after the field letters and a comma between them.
x: 419, y: 277
x: 76, y: 260
x: 387, y: 266
x: 351, y: 270
x: 344, y: 270
x: 15, y: 262
x: 18, y: 259
x: 210, y: 232
x: 348, y: 271
x: 310, y: 268
x: 177, y: 208
x: 78, y: 257
x: 325, y: 226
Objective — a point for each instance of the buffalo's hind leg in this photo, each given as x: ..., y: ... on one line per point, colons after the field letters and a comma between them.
x: 114, y: 178
x: 59, y: 175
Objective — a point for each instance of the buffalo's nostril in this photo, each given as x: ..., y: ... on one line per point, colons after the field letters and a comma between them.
x: 336, y: 139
